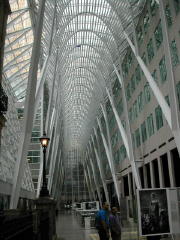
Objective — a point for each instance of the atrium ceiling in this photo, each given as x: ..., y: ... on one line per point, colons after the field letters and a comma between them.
x: 82, y: 39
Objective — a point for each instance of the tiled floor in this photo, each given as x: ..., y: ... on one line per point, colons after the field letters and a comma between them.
x: 68, y: 228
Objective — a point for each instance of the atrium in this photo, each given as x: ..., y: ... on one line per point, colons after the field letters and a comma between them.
x: 100, y: 79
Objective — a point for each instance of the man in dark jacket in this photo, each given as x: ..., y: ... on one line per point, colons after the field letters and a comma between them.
x: 115, y: 223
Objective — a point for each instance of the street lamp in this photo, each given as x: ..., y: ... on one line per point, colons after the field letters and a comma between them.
x: 44, y: 142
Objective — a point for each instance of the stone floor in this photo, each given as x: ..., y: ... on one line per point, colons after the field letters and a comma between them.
x: 68, y: 228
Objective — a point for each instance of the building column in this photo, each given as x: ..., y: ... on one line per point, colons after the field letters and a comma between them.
x: 161, y: 175
x: 171, y: 169
x: 4, y: 12
x: 29, y: 110
x: 152, y: 175
x: 99, y: 163
x: 95, y: 178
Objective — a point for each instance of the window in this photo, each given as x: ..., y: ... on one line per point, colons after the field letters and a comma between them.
x: 138, y: 74
x: 174, y: 53
x: 150, y: 50
x: 167, y: 100
x: 130, y: 115
x: 120, y: 107
x: 137, y: 137
x: 144, y: 60
x: 116, y: 88
x: 125, y: 68
x: 162, y: 69
x: 143, y: 131
x: 147, y: 93
x: 133, y: 84
x: 135, y: 110
x: 139, y: 35
x: 177, y: 5
x: 128, y: 92
x: 155, y: 77
x: 159, y: 117
x: 133, y: 141
x: 153, y: 7
x: 129, y: 60
x: 146, y: 22
x: 140, y: 101
x: 178, y: 93
x: 122, y: 151
x: 150, y: 125
x: 158, y: 35
x: 168, y: 15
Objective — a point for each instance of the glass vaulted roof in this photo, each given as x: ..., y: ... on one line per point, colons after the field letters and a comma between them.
x: 85, y: 38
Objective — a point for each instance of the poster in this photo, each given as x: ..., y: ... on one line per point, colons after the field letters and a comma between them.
x: 153, y: 212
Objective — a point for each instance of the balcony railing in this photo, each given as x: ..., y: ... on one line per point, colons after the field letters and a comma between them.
x: 3, y: 101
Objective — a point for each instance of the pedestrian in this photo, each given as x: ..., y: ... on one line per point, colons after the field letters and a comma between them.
x: 115, y: 223
x: 102, y: 222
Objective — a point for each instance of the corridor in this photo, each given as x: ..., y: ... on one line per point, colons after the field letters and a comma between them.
x: 68, y: 228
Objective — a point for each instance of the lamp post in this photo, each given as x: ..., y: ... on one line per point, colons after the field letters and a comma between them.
x: 44, y: 142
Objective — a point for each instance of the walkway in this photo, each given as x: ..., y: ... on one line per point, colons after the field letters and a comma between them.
x: 68, y: 228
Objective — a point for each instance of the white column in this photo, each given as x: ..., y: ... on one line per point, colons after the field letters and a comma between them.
x: 171, y: 169
x: 125, y: 141
x: 87, y: 182
x: 29, y: 110
x: 91, y: 182
x: 95, y: 179
x: 152, y: 175
x: 161, y: 175
x: 110, y: 159
x: 155, y: 89
x: 99, y: 163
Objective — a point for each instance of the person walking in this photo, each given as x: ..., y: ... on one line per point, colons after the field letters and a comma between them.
x: 115, y: 223
x: 102, y: 222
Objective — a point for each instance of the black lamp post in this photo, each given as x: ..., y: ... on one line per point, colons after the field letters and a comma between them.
x: 44, y: 142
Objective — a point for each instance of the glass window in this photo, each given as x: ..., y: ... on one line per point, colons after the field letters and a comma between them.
x: 140, y: 101
x: 153, y: 7
x: 178, y: 93
x: 133, y: 83
x: 143, y: 131
x: 139, y: 35
x: 150, y: 50
x: 155, y: 77
x: 135, y: 110
x: 120, y: 107
x: 147, y: 93
x: 158, y: 35
x: 144, y: 60
x: 130, y: 115
x: 125, y: 68
x: 162, y: 69
x: 133, y: 141
x: 122, y: 152
x: 177, y: 5
x: 150, y: 125
x: 159, y: 117
x: 168, y: 15
x: 116, y: 88
x: 138, y: 74
x: 137, y: 137
x: 128, y: 92
x: 167, y: 100
x: 146, y: 21
x: 129, y: 60
x: 174, y: 53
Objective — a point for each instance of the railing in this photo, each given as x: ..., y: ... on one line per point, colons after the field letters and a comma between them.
x: 15, y: 226
x: 3, y: 100
x: 24, y: 225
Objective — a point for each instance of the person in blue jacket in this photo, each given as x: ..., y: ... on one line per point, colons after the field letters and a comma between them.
x: 103, y: 222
